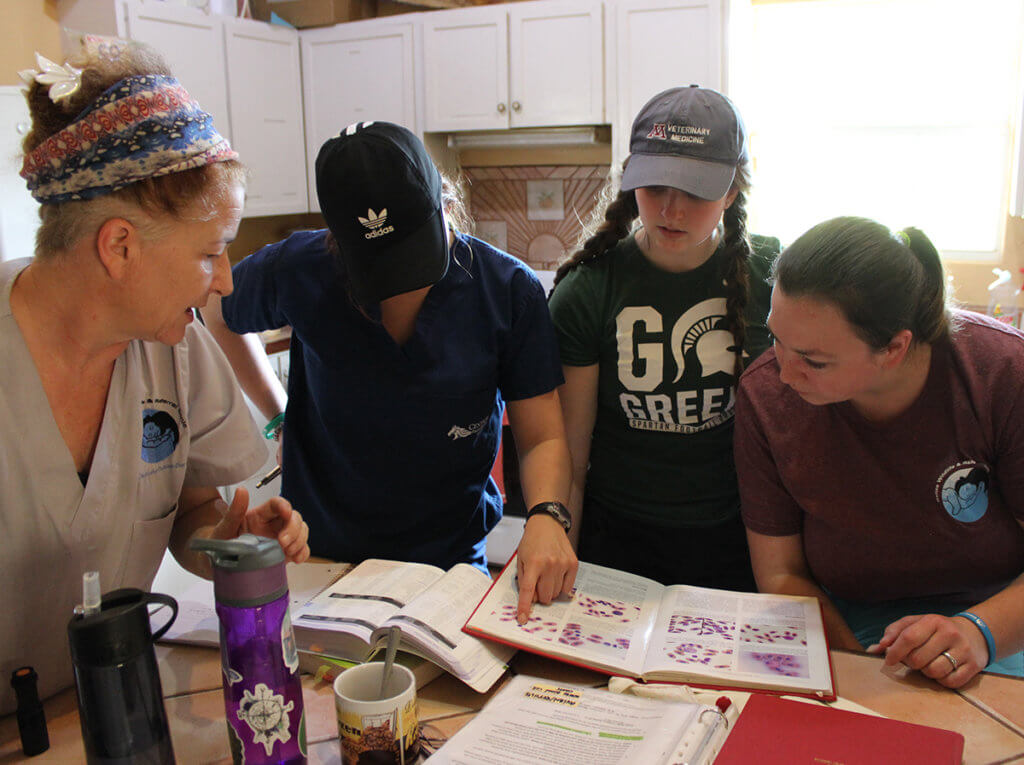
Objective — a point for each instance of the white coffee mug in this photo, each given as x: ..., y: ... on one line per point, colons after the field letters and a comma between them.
x: 376, y: 728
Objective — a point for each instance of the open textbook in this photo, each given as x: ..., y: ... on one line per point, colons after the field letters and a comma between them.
x: 532, y: 721
x: 350, y: 619
x: 625, y: 624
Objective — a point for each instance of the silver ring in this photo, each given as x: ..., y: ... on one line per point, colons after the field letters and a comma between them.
x: 954, y: 662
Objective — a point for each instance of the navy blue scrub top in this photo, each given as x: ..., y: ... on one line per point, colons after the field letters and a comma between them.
x: 387, y: 448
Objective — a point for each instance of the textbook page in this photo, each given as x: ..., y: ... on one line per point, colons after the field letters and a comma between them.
x: 533, y: 721
x: 606, y: 624
x: 360, y: 602
x: 431, y: 625
x: 753, y: 640
x: 624, y: 624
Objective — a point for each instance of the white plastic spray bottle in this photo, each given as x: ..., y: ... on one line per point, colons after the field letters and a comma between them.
x: 1002, y: 298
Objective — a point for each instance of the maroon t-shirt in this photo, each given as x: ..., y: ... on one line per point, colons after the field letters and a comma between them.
x: 926, y: 504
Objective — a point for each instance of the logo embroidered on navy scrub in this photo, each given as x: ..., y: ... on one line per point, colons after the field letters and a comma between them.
x: 457, y: 432
x: 963, y: 490
x: 160, y: 435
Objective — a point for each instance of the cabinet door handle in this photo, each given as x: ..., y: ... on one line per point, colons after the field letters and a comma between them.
x: 516, y: 106
x: 501, y: 108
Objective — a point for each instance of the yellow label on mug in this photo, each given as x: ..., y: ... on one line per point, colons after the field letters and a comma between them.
x: 376, y: 737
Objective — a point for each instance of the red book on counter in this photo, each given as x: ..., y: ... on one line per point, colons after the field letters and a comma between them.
x: 775, y: 731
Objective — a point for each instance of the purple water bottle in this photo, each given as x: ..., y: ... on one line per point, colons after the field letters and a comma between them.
x: 260, y: 663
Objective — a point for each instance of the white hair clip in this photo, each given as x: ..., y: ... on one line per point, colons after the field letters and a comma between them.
x: 63, y: 80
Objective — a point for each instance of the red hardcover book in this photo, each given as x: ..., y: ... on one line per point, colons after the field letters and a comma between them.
x: 775, y: 731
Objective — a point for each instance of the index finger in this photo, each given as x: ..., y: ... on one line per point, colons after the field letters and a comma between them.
x: 276, y: 507
x: 893, y: 630
x: 527, y: 592
x: 569, y: 579
x: 907, y: 636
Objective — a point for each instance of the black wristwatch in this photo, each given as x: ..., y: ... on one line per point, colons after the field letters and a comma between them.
x: 556, y: 510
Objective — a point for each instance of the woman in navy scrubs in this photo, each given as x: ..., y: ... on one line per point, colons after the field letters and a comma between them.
x: 408, y: 339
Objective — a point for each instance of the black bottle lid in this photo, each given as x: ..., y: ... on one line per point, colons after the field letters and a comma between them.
x: 31, y: 718
x: 117, y: 634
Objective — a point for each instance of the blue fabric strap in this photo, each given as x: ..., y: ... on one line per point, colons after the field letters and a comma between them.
x: 978, y: 622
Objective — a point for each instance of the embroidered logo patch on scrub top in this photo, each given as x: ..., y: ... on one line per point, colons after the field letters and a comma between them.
x: 160, y: 435
x: 963, y: 490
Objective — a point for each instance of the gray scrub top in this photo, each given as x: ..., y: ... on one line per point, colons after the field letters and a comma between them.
x: 174, y: 417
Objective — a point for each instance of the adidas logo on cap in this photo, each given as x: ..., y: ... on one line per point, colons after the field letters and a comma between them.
x: 375, y: 222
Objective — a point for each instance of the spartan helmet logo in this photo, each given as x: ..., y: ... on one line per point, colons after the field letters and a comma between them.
x: 700, y: 328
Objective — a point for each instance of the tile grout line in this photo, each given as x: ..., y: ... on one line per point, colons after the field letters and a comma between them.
x: 1008, y: 760
x: 985, y: 708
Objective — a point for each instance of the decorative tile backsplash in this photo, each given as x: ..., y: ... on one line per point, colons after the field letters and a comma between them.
x: 534, y: 212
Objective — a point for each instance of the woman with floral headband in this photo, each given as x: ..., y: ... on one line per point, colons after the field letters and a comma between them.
x: 120, y: 413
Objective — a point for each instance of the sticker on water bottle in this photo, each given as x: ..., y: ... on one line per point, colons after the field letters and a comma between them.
x: 289, y: 650
x: 266, y: 713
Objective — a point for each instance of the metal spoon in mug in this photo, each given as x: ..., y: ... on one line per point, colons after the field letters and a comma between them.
x: 389, y: 659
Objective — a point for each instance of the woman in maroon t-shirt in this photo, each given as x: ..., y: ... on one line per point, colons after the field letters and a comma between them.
x: 881, y: 457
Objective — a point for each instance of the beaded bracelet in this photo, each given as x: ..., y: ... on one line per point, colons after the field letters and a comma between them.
x: 272, y: 430
x: 978, y: 622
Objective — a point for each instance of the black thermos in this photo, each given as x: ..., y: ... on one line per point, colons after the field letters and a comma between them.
x: 120, y: 701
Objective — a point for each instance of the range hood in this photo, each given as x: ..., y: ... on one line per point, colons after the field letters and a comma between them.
x: 586, y: 135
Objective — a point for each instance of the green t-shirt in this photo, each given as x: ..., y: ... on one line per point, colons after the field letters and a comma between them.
x: 661, y: 451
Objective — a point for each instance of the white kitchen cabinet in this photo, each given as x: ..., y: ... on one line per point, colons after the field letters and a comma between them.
x: 465, y: 69
x: 353, y: 72
x: 659, y: 44
x: 534, y: 64
x: 264, y: 82
x: 190, y: 41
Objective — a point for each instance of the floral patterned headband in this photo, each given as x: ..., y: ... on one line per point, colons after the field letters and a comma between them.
x: 141, y: 127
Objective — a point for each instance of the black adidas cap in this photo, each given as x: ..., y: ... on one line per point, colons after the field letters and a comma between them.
x: 380, y: 194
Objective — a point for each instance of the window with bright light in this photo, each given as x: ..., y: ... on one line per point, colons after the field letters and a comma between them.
x: 898, y: 110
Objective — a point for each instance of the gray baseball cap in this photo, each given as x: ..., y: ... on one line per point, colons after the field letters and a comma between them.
x: 691, y: 139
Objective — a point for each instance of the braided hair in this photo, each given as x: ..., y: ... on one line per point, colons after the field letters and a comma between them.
x: 737, y: 265
x: 618, y: 223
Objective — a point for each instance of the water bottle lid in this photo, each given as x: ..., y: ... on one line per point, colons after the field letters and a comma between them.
x: 117, y: 634
x: 247, y: 570
x: 246, y: 552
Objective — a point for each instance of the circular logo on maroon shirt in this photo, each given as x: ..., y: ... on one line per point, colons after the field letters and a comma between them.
x: 963, y: 490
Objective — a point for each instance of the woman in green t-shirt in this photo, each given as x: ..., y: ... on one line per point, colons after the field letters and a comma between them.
x: 655, y: 326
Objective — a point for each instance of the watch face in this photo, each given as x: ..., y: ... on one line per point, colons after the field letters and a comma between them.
x: 556, y: 510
